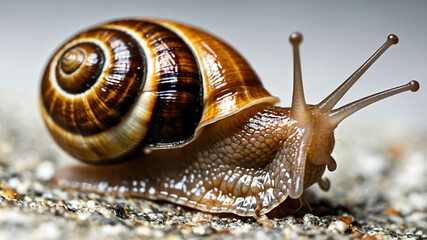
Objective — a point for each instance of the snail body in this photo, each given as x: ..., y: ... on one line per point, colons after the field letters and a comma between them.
x: 212, y: 138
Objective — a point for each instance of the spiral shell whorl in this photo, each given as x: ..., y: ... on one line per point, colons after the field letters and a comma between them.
x: 93, y: 98
x: 80, y: 67
x: 89, y: 86
x: 71, y: 60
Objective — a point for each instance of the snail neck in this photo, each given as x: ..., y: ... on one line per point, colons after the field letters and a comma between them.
x: 322, y: 140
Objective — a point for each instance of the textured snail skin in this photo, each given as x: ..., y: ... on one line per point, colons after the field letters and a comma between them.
x: 212, y: 138
x: 247, y: 165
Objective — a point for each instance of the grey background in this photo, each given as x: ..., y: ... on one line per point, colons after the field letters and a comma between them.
x: 338, y: 37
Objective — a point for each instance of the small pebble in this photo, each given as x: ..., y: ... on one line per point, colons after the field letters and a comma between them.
x: 45, y: 170
x: 338, y: 226
x: 199, y: 230
x: 91, y: 204
x: 346, y: 219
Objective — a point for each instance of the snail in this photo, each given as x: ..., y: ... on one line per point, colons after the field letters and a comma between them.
x: 164, y: 111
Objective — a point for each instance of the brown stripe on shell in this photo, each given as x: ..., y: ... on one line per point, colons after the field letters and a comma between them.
x: 179, y: 87
x: 230, y: 84
x: 109, y: 145
x: 113, y: 92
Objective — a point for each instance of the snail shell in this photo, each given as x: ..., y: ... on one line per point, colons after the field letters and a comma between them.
x: 220, y: 144
x: 125, y: 84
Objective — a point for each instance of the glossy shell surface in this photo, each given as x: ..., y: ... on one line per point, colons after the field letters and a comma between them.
x: 127, y: 84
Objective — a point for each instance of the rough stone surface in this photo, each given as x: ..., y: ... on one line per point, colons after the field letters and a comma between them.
x: 379, y: 191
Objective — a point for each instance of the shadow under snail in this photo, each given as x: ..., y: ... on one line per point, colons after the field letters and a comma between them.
x: 191, y: 118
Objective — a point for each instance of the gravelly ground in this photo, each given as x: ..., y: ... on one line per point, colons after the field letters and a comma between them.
x: 378, y: 192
